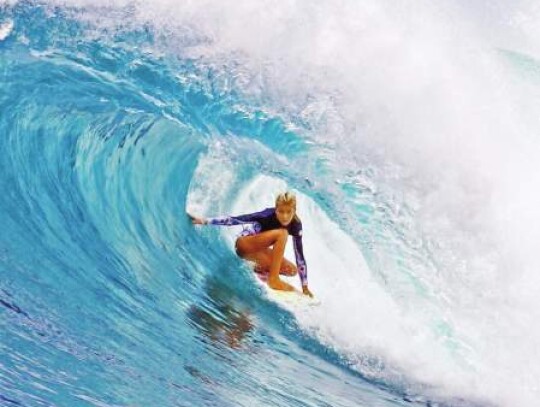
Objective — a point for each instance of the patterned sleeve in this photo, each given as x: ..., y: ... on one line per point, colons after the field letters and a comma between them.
x: 240, y: 219
x: 300, y: 260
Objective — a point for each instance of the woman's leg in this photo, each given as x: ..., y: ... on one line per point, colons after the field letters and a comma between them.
x: 263, y: 260
x: 277, y: 256
x: 277, y: 238
x: 255, y: 243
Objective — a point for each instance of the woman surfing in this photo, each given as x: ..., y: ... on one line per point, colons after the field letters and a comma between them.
x: 263, y: 240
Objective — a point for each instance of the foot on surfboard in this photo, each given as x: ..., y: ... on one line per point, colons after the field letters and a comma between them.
x: 264, y: 271
x: 277, y: 284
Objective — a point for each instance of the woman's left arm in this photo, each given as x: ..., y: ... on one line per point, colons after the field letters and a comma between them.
x: 301, y: 262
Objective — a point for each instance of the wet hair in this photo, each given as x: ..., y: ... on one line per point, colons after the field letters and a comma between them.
x: 288, y: 198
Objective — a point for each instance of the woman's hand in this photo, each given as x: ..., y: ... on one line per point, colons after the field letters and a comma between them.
x: 195, y: 220
x: 306, y: 291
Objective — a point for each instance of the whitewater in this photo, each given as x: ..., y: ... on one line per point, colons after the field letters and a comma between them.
x: 409, y: 133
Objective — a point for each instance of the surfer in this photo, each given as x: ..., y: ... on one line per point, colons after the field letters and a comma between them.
x: 263, y: 240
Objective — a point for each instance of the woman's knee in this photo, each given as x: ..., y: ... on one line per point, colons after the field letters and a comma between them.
x: 238, y: 248
x: 282, y: 233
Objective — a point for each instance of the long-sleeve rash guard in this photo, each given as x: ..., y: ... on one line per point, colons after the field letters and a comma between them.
x: 267, y: 220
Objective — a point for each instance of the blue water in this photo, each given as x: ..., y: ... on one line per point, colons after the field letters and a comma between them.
x: 109, y: 296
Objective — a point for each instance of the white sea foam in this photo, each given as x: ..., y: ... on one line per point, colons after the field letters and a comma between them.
x: 5, y: 29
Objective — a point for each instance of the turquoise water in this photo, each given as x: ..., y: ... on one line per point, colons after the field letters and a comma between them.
x: 110, y: 297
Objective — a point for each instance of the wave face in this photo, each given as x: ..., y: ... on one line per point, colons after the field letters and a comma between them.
x: 408, y: 135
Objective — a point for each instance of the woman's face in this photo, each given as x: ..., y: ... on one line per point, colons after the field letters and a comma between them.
x: 285, y: 214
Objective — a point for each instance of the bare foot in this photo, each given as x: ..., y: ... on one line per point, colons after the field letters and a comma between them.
x: 286, y: 271
x: 277, y: 284
x: 259, y: 269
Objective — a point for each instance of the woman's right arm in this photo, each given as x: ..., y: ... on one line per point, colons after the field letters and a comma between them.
x: 231, y: 220
x: 195, y: 220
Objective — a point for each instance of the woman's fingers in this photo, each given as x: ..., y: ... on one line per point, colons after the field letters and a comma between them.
x: 306, y: 291
x: 194, y: 219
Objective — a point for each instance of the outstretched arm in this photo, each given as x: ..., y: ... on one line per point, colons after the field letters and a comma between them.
x: 231, y: 220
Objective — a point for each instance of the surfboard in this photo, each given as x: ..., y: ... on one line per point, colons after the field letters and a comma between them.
x: 295, y: 298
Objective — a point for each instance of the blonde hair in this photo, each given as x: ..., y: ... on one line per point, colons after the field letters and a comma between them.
x: 289, y: 199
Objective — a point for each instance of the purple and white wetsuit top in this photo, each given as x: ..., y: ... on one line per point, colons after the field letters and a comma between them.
x: 258, y: 222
